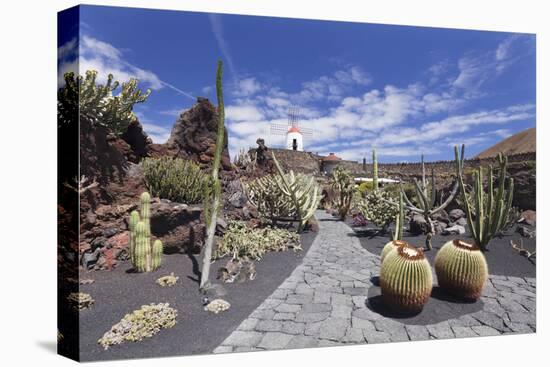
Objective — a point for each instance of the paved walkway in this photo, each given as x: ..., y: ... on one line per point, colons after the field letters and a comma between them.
x: 322, y: 303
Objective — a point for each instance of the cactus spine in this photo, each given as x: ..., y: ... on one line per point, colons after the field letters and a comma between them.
x: 142, y: 254
x: 490, y: 212
x: 134, y: 219
x: 156, y: 257
x: 461, y: 269
x: 212, y: 207
x: 374, y: 170
x: 406, y: 279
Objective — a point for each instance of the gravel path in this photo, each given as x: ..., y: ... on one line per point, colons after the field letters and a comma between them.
x: 324, y: 303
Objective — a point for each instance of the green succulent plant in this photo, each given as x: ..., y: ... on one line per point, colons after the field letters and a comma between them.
x: 144, y: 257
x: 405, y: 279
x: 378, y: 208
x: 342, y: 183
x: 174, y: 179
x: 461, y: 269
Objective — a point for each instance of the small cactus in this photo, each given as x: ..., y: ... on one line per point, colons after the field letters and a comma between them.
x: 157, y: 255
x: 406, y: 279
x: 391, y: 246
x: 461, y: 269
x: 144, y: 257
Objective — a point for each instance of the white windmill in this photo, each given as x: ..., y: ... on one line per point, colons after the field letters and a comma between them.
x: 293, y: 132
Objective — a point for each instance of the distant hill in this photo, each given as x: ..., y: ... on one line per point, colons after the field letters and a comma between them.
x: 522, y: 142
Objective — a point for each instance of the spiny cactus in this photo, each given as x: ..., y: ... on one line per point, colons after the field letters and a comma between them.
x: 489, y: 214
x: 406, y: 279
x: 427, y: 205
x: 142, y: 250
x: 374, y: 170
x: 156, y: 256
x: 392, y: 245
x: 174, y: 179
x: 213, y: 200
x: 303, y: 191
x: 134, y: 219
x: 144, y: 257
x: 343, y: 183
x: 399, y: 220
x: 264, y: 193
x: 378, y: 208
x: 461, y: 269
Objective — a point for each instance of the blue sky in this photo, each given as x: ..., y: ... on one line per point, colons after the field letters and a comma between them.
x: 402, y: 90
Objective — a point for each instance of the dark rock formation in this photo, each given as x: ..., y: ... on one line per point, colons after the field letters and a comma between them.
x: 194, y: 136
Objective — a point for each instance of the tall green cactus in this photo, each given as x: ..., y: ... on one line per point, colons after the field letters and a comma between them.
x: 374, y: 170
x: 303, y: 192
x: 213, y: 207
x: 134, y: 219
x: 144, y: 257
x: 142, y: 249
x: 399, y: 220
x: 489, y: 214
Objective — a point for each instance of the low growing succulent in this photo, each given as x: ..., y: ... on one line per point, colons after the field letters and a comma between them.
x: 461, y: 269
x: 406, y: 279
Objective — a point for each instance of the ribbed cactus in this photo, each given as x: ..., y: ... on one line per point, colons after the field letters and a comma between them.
x: 134, y: 219
x: 489, y: 214
x: 145, y: 211
x: 142, y: 250
x: 399, y: 220
x: 374, y: 170
x: 342, y: 183
x: 265, y: 195
x: 461, y: 269
x: 142, y: 254
x: 406, y: 279
x: 392, y: 245
x: 156, y: 256
x: 302, y: 190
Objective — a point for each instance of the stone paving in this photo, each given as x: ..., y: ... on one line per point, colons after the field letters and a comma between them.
x: 323, y: 303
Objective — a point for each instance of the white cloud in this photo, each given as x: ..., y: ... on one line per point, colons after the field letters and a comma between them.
x: 93, y: 54
x: 242, y: 113
x: 217, y: 28
x: 247, y: 87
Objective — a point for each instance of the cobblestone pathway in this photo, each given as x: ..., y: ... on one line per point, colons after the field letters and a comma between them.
x: 323, y: 303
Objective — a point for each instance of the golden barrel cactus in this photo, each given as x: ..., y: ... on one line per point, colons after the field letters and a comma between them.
x: 461, y: 269
x: 391, y: 246
x: 406, y: 279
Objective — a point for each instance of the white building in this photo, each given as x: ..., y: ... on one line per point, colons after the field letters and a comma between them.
x: 294, y: 139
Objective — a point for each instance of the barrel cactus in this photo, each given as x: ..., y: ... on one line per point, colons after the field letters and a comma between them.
x: 461, y: 269
x: 156, y: 256
x: 406, y: 279
x: 391, y: 246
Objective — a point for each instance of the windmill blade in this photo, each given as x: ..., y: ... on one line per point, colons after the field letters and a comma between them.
x: 278, y: 129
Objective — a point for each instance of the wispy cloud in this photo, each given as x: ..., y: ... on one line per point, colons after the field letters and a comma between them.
x: 217, y: 28
x: 105, y: 58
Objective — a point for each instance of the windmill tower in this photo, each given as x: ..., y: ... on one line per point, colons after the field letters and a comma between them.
x: 293, y: 132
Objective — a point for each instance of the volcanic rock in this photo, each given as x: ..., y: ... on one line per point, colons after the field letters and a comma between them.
x: 456, y: 229
x: 456, y: 214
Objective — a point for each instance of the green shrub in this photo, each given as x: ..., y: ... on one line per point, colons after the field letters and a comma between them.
x: 365, y: 187
x: 174, y: 179
x: 241, y: 241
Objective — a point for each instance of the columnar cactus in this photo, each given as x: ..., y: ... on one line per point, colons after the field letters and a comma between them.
x: 142, y: 250
x: 156, y: 256
x: 461, y: 269
x: 343, y: 183
x: 406, y: 280
x: 399, y: 220
x: 134, y: 219
x: 392, y: 245
x: 374, y: 170
x: 145, y: 211
x: 144, y: 257
x: 489, y: 214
